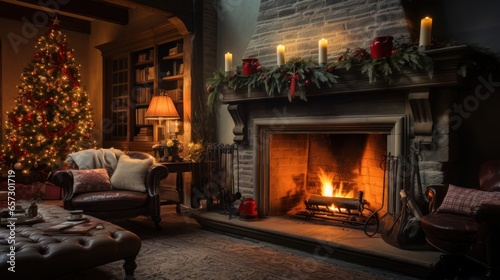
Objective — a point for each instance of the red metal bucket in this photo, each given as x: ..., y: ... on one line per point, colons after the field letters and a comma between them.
x: 248, y: 210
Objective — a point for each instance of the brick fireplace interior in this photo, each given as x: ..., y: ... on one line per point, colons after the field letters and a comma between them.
x: 339, y: 165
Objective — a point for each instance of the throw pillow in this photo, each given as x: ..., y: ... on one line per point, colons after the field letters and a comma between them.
x: 130, y: 173
x: 461, y: 200
x: 90, y: 180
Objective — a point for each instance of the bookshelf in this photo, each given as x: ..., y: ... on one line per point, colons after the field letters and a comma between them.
x: 136, y: 69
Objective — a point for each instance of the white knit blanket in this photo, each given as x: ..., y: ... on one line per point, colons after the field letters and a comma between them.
x: 92, y: 159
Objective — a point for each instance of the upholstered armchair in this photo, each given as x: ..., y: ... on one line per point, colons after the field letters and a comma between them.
x: 465, y: 221
x: 110, y: 184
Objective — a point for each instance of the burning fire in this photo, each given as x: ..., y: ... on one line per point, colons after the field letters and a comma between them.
x: 328, y: 188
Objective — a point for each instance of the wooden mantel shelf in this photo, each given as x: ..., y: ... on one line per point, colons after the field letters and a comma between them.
x: 446, y: 62
x: 417, y: 84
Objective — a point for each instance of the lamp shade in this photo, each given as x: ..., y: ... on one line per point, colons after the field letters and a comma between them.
x: 161, y: 107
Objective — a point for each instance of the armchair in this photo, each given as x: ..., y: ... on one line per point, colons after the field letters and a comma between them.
x: 466, y: 221
x: 109, y: 184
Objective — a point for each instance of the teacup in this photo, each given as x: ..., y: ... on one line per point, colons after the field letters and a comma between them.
x: 76, y: 214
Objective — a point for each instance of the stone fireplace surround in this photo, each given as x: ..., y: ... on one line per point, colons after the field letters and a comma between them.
x: 414, y: 108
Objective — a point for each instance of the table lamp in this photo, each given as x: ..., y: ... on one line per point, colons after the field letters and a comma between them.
x: 162, y: 108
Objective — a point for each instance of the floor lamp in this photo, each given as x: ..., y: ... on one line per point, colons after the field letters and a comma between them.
x: 162, y: 108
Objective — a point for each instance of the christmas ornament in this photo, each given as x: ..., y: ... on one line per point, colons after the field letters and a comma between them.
x: 18, y: 166
x: 43, y: 79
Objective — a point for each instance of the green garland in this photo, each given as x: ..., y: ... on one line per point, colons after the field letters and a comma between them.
x: 404, y: 56
x: 293, y: 79
x: 298, y: 75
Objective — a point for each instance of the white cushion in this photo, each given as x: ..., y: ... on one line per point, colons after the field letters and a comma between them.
x: 130, y: 173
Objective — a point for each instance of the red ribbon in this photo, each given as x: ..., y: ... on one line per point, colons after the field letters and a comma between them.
x: 293, y: 85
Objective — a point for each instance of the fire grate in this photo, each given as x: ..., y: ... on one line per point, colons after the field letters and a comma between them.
x: 345, y: 210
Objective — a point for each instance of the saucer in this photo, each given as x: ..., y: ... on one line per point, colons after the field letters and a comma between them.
x: 76, y: 219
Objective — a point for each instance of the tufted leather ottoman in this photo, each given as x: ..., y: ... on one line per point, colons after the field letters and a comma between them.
x: 42, y: 256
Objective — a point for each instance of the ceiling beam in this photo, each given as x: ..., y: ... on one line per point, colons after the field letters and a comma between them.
x: 41, y: 18
x: 90, y: 9
x: 179, y: 12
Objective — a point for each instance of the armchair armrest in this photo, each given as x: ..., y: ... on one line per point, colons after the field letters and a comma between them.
x: 435, y: 195
x: 155, y: 174
x: 486, y: 213
x: 64, y: 180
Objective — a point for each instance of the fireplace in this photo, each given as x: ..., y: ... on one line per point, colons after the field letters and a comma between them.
x: 297, y: 159
x: 390, y: 119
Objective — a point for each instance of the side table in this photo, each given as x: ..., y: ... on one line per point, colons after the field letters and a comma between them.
x: 179, y: 168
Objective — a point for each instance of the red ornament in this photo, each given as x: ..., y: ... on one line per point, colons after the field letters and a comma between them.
x: 308, y: 83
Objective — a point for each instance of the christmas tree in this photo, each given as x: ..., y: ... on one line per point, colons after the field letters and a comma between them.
x: 52, y: 117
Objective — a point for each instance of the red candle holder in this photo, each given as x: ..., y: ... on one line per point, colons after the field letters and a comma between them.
x: 381, y: 47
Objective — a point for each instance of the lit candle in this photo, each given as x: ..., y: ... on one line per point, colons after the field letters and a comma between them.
x: 280, y: 50
x: 228, y: 61
x: 425, y: 31
x: 322, y: 51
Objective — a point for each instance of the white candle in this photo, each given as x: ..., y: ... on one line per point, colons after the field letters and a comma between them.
x: 280, y: 50
x: 322, y: 51
x: 228, y: 61
x: 425, y: 31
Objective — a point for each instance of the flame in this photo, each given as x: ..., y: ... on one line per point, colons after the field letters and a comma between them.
x: 328, y: 188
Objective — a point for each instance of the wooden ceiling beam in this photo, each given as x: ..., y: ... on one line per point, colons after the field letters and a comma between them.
x: 41, y: 18
x: 90, y: 9
x: 179, y: 12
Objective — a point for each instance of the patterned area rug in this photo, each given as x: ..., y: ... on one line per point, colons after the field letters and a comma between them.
x: 184, y: 250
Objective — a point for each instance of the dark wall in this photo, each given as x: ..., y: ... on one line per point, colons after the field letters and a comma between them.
x: 460, y: 21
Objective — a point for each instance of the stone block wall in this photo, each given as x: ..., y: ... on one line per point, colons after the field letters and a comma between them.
x: 299, y: 24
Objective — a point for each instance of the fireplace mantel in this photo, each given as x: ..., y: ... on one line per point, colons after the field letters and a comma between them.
x: 415, y: 83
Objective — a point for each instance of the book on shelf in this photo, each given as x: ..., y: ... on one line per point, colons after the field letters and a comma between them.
x: 143, y: 138
x: 142, y: 57
x: 140, y: 119
x: 144, y: 74
x: 145, y: 134
x: 143, y: 95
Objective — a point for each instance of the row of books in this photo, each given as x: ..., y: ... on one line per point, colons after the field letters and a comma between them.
x: 145, y: 74
x: 140, y: 117
x: 146, y: 56
x: 145, y: 134
x: 143, y: 95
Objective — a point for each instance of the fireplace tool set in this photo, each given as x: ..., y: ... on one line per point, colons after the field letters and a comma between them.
x: 220, y: 190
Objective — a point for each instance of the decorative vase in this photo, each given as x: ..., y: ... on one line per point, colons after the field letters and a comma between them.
x: 250, y: 66
x: 381, y: 47
x: 172, y: 153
